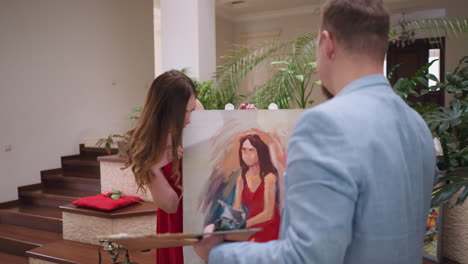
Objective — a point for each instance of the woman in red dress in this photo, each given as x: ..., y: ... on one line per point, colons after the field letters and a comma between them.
x: 256, y: 188
x: 155, y: 151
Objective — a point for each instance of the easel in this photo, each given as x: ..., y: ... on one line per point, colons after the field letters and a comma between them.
x: 113, y: 250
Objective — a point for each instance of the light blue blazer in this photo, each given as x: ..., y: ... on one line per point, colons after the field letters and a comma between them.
x: 357, y: 185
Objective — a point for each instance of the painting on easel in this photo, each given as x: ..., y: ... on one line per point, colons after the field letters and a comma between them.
x: 432, y: 249
x: 236, y: 158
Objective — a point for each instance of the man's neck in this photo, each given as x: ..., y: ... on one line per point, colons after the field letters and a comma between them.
x: 353, y: 69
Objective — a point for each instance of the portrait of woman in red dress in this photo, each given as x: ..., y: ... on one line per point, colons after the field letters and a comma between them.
x: 256, y: 188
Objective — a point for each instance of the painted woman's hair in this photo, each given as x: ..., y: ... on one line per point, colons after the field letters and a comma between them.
x: 162, y: 114
x: 264, y: 157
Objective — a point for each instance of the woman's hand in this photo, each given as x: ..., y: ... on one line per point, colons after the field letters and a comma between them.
x: 247, y: 107
x: 180, y: 152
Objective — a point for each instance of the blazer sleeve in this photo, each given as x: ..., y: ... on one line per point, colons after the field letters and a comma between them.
x: 320, y: 195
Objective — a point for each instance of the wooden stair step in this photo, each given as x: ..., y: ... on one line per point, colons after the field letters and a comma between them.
x: 71, y: 182
x: 77, y: 173
x: 146, y: 208
x: 96, y: 151
x: 13, y: 259
x: 82, y: 171
x: 71, y: 252
x: 17, y: 239
x: 66, y: 178
x: 57, y: 194
x: 81, y: 161
x: 32, y: 216
x: 27, y: 209
x: 53, y: 196
x: 80, y: 165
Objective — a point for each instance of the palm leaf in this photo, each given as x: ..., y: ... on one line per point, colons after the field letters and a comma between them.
x: 292, y: 84
x: 445, y: 118
x: 435, y: 28
x: 236, y: 65
x: 452, y: 183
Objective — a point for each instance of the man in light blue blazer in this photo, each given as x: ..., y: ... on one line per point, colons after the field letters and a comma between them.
x: 360, y: 166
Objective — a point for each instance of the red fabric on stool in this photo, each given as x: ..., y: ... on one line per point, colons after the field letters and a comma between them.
x: 105, y: 203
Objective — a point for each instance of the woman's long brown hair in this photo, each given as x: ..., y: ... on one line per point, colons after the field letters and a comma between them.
x: 163, y: 114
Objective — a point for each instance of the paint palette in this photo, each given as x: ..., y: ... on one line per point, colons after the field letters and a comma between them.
x: 150, y: 241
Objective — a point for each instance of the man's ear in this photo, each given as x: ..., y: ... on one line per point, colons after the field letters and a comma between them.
x: 329, y: 43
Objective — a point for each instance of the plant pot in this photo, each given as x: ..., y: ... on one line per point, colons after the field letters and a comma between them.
x: 123, y: 149
x: 455, y: 231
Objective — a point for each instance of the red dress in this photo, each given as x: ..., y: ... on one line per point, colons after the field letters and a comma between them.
x: 254, y: 201
x: 170, y: 223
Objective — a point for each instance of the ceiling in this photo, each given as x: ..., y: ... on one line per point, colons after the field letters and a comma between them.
x: 239, y: 9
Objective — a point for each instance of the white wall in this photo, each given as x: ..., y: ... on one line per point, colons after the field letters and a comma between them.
x: 69, y: 70
x: 224, y: 36
x: 456, y: 48
x: 288, y: 26
x: 157, y: 37
x: 188, y: 36
x: 207, y: 38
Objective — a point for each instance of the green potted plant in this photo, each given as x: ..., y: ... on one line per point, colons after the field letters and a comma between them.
x: 108, y: 142
x: 292, y: 84
x: 298, y: 52
x: 121, y: 140
x: 450, y: 125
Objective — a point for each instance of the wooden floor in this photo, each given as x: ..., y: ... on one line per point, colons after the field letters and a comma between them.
x: 12, y: 259
x: 445, y: 261
x: 69, y: 252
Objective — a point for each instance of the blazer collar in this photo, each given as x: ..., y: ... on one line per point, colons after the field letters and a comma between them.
x: 366, y: 81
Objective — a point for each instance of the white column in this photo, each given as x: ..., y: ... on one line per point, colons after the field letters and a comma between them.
x: 188, y: 37
x: 157, y: 37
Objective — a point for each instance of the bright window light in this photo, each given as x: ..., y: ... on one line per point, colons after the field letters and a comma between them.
x: 434, y: 54
x: 385, y: 66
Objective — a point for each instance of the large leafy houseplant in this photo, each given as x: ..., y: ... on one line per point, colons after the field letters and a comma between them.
x: 292, y: 84
x: 450, y: 125
x: 447, y: 123
x: 207, y: 95
x: 407, y: 88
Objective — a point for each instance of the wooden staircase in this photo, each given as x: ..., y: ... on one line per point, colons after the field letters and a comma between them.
x: 35, y: 219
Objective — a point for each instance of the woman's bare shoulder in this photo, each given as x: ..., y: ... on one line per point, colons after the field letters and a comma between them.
x: 270, y: 178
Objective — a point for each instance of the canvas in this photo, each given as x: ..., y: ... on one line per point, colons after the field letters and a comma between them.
x: 237, y: 158
x: 432, y: 238
x: 432, y: 248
